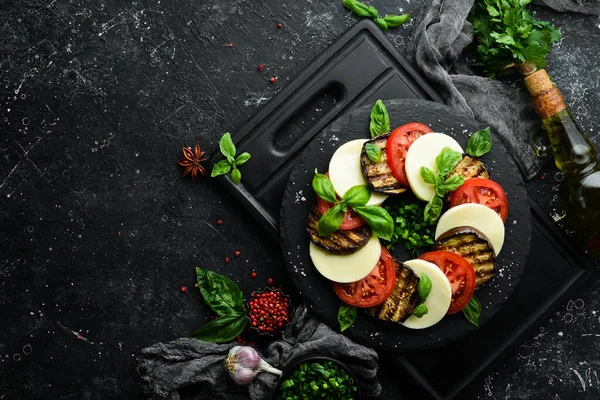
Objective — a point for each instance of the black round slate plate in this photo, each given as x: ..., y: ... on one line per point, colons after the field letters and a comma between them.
x: 316, y: 290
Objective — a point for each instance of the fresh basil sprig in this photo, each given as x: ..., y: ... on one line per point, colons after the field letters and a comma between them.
x: 472, y: 311
x: 231, y: 162
x: 423, y: 288
x: 373, y: 152
x: 479, y: 143
x: 445, y: 163
x: 380, y: 120
x: 362, y: 10
x: 346, y: 316
x: 227, y: 300
x: 356, y: 197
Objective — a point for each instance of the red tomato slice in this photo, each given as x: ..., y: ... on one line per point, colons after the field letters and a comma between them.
x: 482, y: 191
x: 398, y: 144
x: 372, y: 290
x: 459, y: 272
x: 351, y: 219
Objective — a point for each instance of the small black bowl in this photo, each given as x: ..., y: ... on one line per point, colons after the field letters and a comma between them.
x: 310, y: 358
x: 279, y: 330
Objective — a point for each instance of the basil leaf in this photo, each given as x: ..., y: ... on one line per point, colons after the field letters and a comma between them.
x: 346, y: 316
x: 221, y: 294
x: 236, y: 175
x: 226, y: 145
x: 393, y: 21
x: 479, y: 143
x: 331, y: 220
x: 222, y: 329
x: 242, y: 158
x: 472, y: 311
x: 357, y: 195
x: 373, y: 152
x: 427, y: 175
x: 378, y: 219
x: 433, y: 209
x: 360, y: 9
x: 420, y: 310
x: 380, y: 22
x: 380, y: 120
x: 324, y: 188
x: 424, y: 287
x: 453, y: 183
x: 220, y: 168
x: 439, y: 191
x: 231, y: 160
x: 447, y: 160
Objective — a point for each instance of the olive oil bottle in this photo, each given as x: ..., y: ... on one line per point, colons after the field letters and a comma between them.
x: 575, y: 156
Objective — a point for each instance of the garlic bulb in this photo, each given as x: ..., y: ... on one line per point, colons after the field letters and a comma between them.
x: 243, y: 363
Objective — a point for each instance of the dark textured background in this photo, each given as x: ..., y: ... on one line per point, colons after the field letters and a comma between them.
x: 98, y: 231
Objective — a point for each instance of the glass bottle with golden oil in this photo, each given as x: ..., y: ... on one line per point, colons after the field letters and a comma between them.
x: 575, y: 156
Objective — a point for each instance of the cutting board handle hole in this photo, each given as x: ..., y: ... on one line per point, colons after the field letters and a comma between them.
x: 312, y: 116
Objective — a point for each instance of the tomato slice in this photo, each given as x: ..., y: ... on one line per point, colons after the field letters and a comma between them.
x: 482, y: 191
x: 459, y: 272
x: 372, y: 290
x: 398, y: 144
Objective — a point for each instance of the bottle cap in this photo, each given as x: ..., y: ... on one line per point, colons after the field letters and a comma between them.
x: 546, y: 97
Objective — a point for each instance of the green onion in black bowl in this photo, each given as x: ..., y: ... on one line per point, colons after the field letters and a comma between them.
x: 317, y: 377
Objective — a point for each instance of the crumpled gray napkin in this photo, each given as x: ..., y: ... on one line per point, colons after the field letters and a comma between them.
x: 440, y: 35
x: 166, y: 368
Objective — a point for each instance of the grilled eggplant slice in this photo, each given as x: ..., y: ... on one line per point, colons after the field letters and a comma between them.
x: 474, y: 246
x: 471, y: 167
x: 340, y: 241
x: 378, y: 174
x: 403, y: 299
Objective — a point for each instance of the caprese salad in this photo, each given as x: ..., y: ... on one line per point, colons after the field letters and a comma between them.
x: 348, y: 222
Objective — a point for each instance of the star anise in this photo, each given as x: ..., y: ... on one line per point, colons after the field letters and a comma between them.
x: 192, y: 161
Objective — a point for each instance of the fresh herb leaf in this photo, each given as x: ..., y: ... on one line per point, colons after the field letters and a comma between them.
x: 362, y: 10
x: 479, y: 143
x: 378, y: 219
x: 318, y: 379
x: 393, y: 21
x: 236, y: 175
x: 433, y: 209
x: 446, y: 161
x: 346, y: 316
x: 507, y: 34
x: 242, y: 158
x: 420, y: 310
x: 324, y: 188
x: 221, y: 294
x: 226, y: 145
x: 380, y: 120
x: 331, y: 220
x: 230, y: 163
x: 472, y: 311
x: 452, y: 183
x: 427, y: 175
x: 220, y: 168
x: 357, y: 195
x: 380, y: 22
x: 424, y: 287
x: 222, y: 329
x: 373, y: 152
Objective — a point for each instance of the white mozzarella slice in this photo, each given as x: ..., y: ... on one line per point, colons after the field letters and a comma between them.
x: 479, y: 217
x: 345, y: 170
x: 422, y: 153
x: 348, y: 267
x: 439, y: 298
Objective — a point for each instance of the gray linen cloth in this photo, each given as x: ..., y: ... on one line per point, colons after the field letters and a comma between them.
x: 440, y: 35
x: 166, y: 368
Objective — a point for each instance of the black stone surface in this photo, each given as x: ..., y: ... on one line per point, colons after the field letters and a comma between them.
x: 299, y: 199
x: 98, y: 231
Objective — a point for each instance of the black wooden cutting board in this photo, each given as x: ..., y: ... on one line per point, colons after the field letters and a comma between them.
x: 359, y: 68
